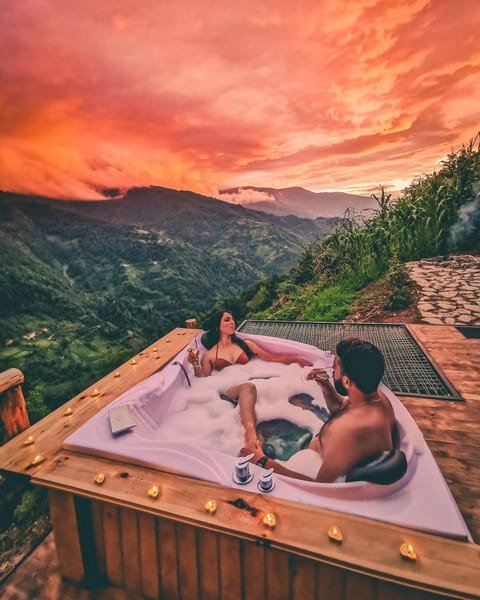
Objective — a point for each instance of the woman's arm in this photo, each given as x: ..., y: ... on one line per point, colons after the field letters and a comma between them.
x: 201, y: 368
x: 279, y: 358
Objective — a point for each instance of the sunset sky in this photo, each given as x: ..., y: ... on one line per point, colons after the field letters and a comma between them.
x: 200, y: 95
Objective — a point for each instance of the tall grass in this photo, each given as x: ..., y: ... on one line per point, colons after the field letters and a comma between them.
x: 418, y: 224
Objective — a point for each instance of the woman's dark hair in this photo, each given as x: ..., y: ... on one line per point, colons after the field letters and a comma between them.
x: 362, y: 362
x: 212, y: 335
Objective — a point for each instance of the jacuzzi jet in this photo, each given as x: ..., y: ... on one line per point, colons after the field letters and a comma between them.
x: 242, y: 474
x: 265, y: 482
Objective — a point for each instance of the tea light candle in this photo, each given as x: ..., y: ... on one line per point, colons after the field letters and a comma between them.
x: 99, y: 478
x: 154, y: 491
x: 68, y: 412
x: 116, y: 374
x: 210, y: 506
x: 95, y: 392
x: 270, y: 520
x: 408, y: 552
x: 37, y: 460
x: 133, y: 361
x: 335, y: 534
x: 29, y: 440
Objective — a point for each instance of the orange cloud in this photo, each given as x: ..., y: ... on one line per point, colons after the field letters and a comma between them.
x: 191, y: 96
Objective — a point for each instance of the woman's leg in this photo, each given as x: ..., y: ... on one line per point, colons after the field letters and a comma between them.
x: 246, y: 395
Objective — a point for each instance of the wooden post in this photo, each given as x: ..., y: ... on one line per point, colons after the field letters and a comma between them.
x: 191, y: 323
x: 13, y: 411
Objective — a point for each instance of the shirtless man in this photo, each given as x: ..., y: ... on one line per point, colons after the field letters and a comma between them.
x: 362, y: 419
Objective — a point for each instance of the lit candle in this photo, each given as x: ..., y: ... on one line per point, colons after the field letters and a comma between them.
x: 155, y: 349
x: 95, y: 392
x: 154, y: 491
x: 116, y: 374
x: 210, y: 506
x: 37, y: 460
x: 335, y: 534
x: 133, y: 362
x: 29, y: 440
x: 68, y: 412
x: 270, y: 520
x: 99, y: 478
x: 408, y: 552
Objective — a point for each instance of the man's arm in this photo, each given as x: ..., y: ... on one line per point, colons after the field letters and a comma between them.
x: 334, y: 401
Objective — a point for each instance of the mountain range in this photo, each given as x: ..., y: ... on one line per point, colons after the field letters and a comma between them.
x: 170, y: 253
x: 92, y: 282
x: 297, y: 201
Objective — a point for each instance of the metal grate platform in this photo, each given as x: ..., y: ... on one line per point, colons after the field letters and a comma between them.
x: 408, y: 372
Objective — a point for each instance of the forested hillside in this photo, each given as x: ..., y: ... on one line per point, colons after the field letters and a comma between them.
x: 86, y: 284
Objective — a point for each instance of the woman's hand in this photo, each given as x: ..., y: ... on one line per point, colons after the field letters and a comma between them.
x: 193, y: 357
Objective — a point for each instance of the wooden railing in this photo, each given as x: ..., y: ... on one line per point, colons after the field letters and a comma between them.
x: 13, y: 410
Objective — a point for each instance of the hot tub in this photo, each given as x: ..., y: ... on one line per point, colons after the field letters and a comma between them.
x: 168, y: 435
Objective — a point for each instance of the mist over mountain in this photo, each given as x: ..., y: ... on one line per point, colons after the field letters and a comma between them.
x: 297, y: 201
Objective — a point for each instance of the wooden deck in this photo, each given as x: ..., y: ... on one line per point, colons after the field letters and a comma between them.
x: 452, y: 429
x: 118, y: 517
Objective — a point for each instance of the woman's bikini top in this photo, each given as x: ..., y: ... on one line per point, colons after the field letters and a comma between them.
x: 221, y: 363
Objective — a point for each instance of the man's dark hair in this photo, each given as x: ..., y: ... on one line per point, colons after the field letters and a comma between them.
x: 362, y: 362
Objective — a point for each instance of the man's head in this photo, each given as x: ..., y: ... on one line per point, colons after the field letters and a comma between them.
x: 357, y: 362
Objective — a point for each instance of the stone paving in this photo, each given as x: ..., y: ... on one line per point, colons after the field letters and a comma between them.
x: 448, y: 289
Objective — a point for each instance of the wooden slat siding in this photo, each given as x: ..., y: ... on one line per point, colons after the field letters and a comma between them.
x: 303, y: 578
x: 50, y: 432
x: 277, y: 575
x: 167, y: 548
x: 208, y: 564
x: 113, y: 545
x: 451, y: 428
x: 149, y: 563
x: 230, y: 568
x: 98, y: 533
x: 388, y: 591
x: 254, y: 581
x: 330, y: 583
x: 187, y: 561
x: 360, y: 587
x: 130, y: 550
x: 301, y: 532
x: 64, y: 521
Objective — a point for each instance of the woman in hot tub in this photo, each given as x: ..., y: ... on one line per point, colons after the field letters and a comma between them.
x: 226, y: 349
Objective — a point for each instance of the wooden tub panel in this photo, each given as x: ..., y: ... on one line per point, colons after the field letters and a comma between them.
x: 254, y: 570
x: 149, y: 559
x: 130, y: 550
x: 64, y: 522
x: 113, y: 545
x: 303, y: 577
x: 208, y: 564
x: 187, y: 561
x: 230, y: 568
x: 167, y: 544
x: 277, y: 580
x: 330, y: 582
